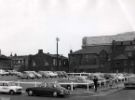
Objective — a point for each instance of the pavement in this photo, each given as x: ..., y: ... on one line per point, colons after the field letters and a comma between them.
x: 100, y: 92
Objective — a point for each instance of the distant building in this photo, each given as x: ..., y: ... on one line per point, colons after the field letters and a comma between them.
x: 5, y: 62
x: 105, y: 54
x: 39, y: 61
x: 19, y: 62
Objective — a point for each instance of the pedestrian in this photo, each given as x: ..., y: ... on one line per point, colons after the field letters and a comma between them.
x: 95, y: 80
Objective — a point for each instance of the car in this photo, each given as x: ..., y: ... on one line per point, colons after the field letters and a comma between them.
x: 48, y: 89
x: 29, y: 75
x: 12, y: 72
x: 10, y: 88
x: 130, y: 84
x: 22, y: 75
x: 84, y: 79
x: 3, y: 72
x: 37, y: 75
x: 51, y: 74
x: 62, y: 74
x: 44, y: 74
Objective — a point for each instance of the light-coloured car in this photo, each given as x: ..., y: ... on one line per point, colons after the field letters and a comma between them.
x: 10, y: 88
x: 51, y: 74
x: 29, y: 74
x: 37, y: 75
x: 3, y: 72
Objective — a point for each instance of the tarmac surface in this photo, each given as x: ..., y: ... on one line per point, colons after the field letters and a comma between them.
x: 78, y: 94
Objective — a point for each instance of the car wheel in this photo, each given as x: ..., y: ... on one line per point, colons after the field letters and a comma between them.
x: 55, y: 94
x: 11, y: 92
x: 30, y: 92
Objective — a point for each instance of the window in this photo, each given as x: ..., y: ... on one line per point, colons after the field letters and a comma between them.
x: 54, y: 62
x: 33, y: 64
x: 129, y: 54
x: 125, y: 63
x: 46, y: 63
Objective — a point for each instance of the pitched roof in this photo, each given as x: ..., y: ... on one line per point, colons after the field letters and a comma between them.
x: 4, y: 57
x: 107, y: 40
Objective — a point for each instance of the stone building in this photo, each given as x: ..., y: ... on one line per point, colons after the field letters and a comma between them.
x: 105, y: 54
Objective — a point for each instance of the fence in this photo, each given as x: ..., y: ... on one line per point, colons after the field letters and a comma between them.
x: 106, y: 84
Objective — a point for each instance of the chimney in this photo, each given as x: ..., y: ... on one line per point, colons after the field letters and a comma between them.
x: 40, y: 51
x: 71, y: 51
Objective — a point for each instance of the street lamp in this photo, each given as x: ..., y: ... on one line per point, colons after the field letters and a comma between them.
x: 57, y: 40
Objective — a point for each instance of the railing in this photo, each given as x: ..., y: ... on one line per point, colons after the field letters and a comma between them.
x: 106, y: 84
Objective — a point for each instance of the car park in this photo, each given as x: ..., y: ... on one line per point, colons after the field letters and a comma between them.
x: 10, y: 88
x: 48, y: 89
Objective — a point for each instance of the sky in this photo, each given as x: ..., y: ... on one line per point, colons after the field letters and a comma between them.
x: 29, y: 25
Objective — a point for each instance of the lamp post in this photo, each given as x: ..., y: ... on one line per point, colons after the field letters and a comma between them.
x: 57, y: 40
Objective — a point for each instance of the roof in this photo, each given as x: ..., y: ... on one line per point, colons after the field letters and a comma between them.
x: 107, y: 40
x: 93, y: 49
x: 4, y: 57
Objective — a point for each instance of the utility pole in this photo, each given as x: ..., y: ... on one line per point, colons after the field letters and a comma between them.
x: 57, y: 47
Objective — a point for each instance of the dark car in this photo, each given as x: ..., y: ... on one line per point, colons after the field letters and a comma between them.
x: 48, y: 89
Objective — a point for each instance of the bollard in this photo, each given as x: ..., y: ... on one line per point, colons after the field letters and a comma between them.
x: 87, y: 86
x: 72, y: 87
x: 35, y: 84
x: 18, y: 83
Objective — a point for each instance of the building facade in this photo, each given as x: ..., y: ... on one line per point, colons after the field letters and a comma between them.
x: 105, y: 54
x: 40, y: 61
x: 5, y: 62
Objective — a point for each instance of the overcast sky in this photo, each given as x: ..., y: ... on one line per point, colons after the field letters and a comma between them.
x: 29, y: 25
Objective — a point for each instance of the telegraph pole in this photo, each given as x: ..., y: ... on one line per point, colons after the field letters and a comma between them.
x: 57, y: 47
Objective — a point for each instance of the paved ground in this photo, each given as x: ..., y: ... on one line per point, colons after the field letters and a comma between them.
x: 102, y: 94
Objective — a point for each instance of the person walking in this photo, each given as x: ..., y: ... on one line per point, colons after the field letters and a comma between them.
x: 95, y: 80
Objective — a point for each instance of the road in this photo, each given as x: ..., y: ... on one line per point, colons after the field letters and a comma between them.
x: 119, y: 95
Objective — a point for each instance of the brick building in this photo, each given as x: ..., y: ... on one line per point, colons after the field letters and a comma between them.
x: 5, y: 62
x: 105, y: 54
x: 40, y: 61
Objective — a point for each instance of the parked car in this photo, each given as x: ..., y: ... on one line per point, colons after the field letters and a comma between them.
x: 10, y: 88
x: 12, y: 72
x: 130, y: 83
x: 44, y: 74
x: 61, y: 74
x: 29, y: 75
x: 83, y: 79
x: 3, y: 72
x: 47, y: 89
x: 22, y: 75
x: 51, y: 74
x: 37, y: 75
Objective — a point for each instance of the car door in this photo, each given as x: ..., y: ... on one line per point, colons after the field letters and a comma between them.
x: 5, y: 88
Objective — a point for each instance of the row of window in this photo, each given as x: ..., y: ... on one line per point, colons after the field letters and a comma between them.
x: 18, y: 62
